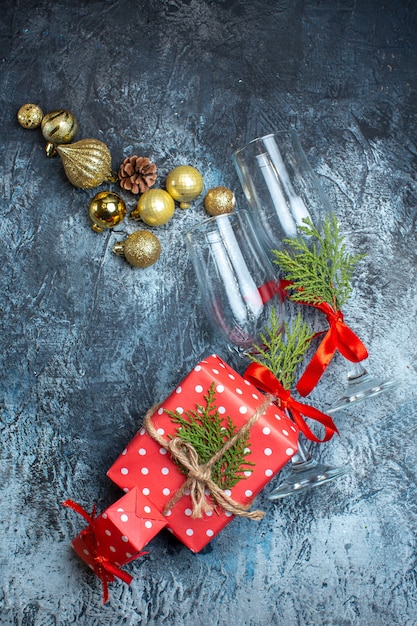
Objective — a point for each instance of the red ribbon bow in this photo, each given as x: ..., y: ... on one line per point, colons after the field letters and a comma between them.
x: 264, y: 379
x: 338, y: 337
x: 103, y: 568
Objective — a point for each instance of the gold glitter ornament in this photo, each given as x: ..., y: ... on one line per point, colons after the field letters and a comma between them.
x: 184, y: 183
x: 87, y: 163
x: 30, y: 116
x: 219, y: 200
x: 140, y: 249
x: 155, y: 207
x: 59, y: 127
x: 107, y: 209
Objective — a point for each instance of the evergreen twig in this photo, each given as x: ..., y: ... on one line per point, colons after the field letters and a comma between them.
x: 207, y: 431
x: 281, y: 352
x: 318, y: 265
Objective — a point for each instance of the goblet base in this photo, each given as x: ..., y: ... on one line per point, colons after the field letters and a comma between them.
x: 361, y: 387
x: 306, y: 475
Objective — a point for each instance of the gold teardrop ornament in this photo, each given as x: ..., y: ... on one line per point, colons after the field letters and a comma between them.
x: 155, y: 207
x: 140, y: 249
x: 219, y: 200
x: 184, y: 183
x: 107, y: 209
x: 59, y: 127
x: 30, y: 116
x: 87, y: 163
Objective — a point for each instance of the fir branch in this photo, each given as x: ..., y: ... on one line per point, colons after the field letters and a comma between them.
x: 282, y: 352
x: 318, y: 265
x: 207, y: 432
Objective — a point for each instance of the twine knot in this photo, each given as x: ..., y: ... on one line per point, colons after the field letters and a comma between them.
x: 199, y: 476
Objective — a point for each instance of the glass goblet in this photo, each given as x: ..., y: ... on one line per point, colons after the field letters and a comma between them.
x: 282, y: 190
x: 239, y: 288
x: 279, y: 185
x: 237, y: 281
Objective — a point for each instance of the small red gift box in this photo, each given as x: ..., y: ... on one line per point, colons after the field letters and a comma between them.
x: 145, y: 464
x: 121, y: 531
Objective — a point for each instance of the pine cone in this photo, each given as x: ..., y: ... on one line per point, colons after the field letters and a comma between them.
x: 137, y: 174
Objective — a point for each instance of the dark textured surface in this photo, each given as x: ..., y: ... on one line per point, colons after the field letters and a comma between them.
x: 88, y: 343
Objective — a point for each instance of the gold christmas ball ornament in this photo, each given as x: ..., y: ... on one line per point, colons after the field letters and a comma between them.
x: 30, y: 116
x: 87, y: 163
x: 140, y: 249
x: 219, y: 200
x: 59, y: 127
x: 107, y: 209
x: 184, y: 183
x: 155, y: 207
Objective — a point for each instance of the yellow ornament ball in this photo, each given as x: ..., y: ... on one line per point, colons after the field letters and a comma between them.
x: 140, y: 249
x: 184, y: 183
x: 30, y: 116
x: 219, y: 200
x: 155, y: 207
x: 107, y: 209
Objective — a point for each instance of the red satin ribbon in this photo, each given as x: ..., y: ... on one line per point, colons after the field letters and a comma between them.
x: 264, y: 379
x: 269, y: 290
x: 338, y: 337
x: 103, y: 568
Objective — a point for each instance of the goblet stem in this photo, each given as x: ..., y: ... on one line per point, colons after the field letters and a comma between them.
x: 305, y: 474
x: 361, y: 385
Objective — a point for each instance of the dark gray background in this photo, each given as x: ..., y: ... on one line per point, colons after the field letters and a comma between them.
x: 88, y: 343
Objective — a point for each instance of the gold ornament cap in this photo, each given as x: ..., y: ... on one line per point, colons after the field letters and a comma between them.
x: 219, y: 200
x: 140, y: 249
x: 184, y: 183
x: 30, y: 115
x: 87, y: 163
x: 59, y: 127
x: 155, y: 207
x: 107, y: 209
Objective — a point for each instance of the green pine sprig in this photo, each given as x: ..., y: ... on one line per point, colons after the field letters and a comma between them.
x: 282, y: 350
x: 207, y: 431
x: 318, y: 265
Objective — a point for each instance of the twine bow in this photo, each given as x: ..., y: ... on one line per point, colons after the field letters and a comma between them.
x: 199, y: 475
x: 339, y: 337
x: 264, y: 379
x: 102, y: 567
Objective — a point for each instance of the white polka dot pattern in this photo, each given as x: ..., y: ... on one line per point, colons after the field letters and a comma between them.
x: 273, y: 440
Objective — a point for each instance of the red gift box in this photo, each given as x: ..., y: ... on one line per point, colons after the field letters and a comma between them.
x: 145, y: 464
x: 121, y: 531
